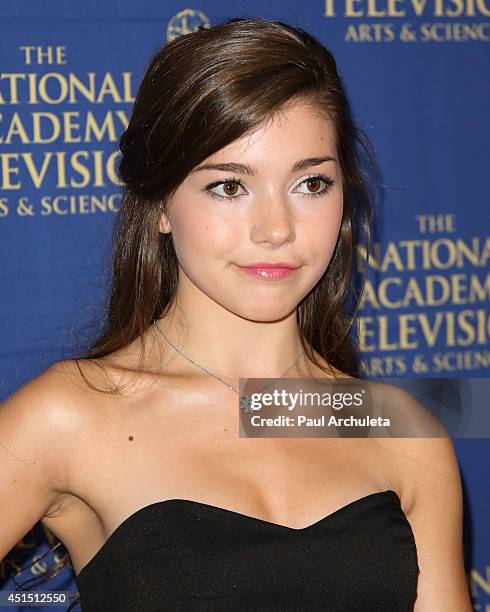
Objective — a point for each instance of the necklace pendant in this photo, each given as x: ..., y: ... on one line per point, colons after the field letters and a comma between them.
x: 246, y: 403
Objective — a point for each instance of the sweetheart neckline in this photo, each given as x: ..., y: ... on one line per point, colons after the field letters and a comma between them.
x: 218, y: 509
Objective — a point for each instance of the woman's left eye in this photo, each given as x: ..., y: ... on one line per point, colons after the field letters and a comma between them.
x: 328, y: 182
x: 230, y: 187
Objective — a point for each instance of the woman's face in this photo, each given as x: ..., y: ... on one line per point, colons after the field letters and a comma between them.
x: 275, y: 197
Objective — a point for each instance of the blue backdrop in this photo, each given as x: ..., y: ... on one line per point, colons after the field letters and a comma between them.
x: 417, y: 74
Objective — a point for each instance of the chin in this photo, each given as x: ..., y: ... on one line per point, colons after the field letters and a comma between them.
x: 265, y: 315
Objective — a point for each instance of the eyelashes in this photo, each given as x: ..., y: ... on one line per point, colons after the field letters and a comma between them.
x: 327, y: 181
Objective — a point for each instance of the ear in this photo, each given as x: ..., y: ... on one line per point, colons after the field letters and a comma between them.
x: 164, y: 224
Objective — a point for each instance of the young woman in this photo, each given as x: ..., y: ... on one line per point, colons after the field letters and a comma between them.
x: 239, y: 159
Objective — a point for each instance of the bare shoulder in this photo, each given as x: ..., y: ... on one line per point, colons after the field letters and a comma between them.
x: 45, y: 401
x: 419, y: 448
x: 42, y: 414
x: 423, y: 440
x: 46, y: 416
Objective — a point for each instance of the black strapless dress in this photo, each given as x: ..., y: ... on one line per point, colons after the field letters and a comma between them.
x: 184, y: 555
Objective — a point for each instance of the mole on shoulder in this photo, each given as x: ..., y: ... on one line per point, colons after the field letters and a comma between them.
x: 130, y: 438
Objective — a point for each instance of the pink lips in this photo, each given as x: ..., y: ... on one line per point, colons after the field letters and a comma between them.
x: 269, y: 271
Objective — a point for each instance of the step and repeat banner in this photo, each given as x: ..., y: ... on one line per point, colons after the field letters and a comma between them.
x: 417, y: 73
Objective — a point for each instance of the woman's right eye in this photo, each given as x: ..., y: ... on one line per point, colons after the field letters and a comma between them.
x: 230, y: 188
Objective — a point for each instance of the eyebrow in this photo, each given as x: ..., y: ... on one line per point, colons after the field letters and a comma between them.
x: 301, y: 164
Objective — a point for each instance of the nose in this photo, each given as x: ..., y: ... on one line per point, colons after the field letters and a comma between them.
x: 271, y: 221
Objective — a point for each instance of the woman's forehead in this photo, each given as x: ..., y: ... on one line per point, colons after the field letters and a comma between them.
x: 306, y: 136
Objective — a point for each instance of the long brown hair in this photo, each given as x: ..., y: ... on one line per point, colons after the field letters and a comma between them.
x: 199, y: 93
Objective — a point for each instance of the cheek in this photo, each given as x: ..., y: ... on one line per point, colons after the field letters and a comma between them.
x: 198, y: 236
x: 322, y: 233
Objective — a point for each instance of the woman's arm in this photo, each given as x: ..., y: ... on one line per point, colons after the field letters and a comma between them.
x: 436, y: 517
x: 33, y: 425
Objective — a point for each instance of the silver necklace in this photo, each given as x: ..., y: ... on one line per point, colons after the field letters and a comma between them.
x: 245, y: 400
